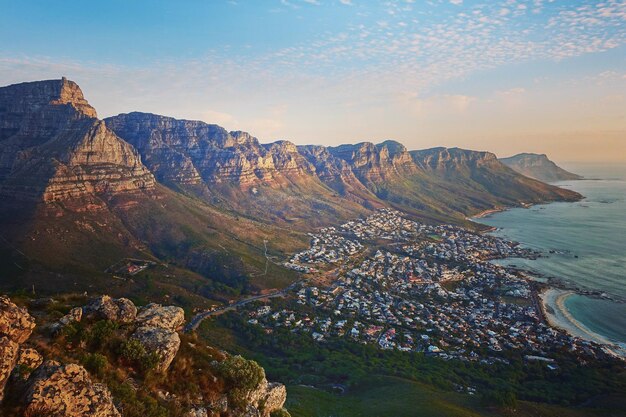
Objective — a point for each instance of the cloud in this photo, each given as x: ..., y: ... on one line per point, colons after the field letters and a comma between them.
x: 218, y: 118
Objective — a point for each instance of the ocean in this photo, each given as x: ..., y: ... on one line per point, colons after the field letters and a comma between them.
x: 582, y: 243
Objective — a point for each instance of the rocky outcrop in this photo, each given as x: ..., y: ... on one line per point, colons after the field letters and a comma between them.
x: 9, y: 351
x: 16, y: 326
x: 164, y: 342
x: 262, y: 401
x: 156, y: 330
x: 268, y: 397
x: 67, y: 391
x: 120, y: 310
x: 164, y: 317
x: 75, y: 315
x: 29, y: 358
x: 538, y: 167
x: 54, y: 148
x: 15, y: 322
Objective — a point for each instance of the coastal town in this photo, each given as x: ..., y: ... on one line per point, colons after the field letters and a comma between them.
x: 398, y: 284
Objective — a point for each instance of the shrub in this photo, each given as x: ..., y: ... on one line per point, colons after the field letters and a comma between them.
x: 133, y: 351
x: 96, y: 364
x: 100, y: 332
x: 241, y: 373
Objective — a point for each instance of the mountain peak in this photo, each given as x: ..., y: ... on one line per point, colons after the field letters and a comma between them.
x: 50, y: 92
x: 538, y: 166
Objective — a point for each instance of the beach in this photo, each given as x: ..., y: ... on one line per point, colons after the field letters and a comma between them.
x: 557, y: 315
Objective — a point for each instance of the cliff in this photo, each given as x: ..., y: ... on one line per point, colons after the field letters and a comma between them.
x: 53, y: 148
x: 538, y: 167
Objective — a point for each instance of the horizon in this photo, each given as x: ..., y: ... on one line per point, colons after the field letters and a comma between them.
x: 505, y: 77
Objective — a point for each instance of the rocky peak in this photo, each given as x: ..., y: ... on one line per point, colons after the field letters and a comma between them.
x: 439, y: 159
x: 54, y: 148
x: 538, y: 166
x: 376, y: 163
x: 63, y: 92
x: 244, y: 138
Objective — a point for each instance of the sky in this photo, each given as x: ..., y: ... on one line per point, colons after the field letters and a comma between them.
x: 507, y: 76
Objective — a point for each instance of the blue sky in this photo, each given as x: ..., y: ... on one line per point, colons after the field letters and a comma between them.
x: 500, y: 75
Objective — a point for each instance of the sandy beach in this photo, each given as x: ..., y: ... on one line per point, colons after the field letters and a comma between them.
x: 485, y: 213
x: 553, y: 303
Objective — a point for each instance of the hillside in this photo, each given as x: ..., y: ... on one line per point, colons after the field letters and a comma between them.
x: 538, y: 167
x: 78, y: 199
x: 213, y: 212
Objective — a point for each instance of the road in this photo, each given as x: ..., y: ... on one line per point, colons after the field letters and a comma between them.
x: 198, y: 318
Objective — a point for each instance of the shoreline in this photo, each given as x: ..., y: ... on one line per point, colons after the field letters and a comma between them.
x: 558, y: 316
x: 486, y: 213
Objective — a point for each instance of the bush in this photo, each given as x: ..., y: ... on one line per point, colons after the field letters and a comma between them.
x: 96, y: 364
x: 241, y: 373
x: 133, y: 351
x: 100, y: 333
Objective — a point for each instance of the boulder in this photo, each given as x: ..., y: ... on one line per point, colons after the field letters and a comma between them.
x: 164, y: 342
x: 28, y: 360
x: 267, y: 397
x: 15, y: 322
x: 74, y: 316
x: 67, y: 391
x: 197, y: 412
x: 120, y: 310
x: 165, y: 317
x: 9, y: 351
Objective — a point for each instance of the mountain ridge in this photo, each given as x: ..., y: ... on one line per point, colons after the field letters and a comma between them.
x: 538, y: 166
x: 215, y: 203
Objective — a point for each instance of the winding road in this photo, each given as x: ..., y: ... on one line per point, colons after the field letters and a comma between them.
x: 198, y: 318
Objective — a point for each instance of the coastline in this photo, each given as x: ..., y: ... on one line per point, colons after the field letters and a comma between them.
x: 486, y: 213
x: 557, y: 315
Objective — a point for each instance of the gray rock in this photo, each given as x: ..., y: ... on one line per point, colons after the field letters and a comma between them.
x: 15, y: 322
x: 164, y: 342
x: 8, y: 358
x: 28, y: 360
x: 165, y: 317
x: 67, y: 391
x: 120, y: 310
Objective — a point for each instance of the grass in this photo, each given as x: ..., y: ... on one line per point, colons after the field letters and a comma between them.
x: 381, y: 396
x: 390, y: 396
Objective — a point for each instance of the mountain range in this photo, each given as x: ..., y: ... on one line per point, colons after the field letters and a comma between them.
x: 211, y: 207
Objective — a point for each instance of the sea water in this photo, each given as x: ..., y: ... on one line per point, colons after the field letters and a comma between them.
x: 582, y: 243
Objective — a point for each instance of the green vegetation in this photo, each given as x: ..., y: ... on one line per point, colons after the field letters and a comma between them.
x: 242, y: 376
x: 298, y: 360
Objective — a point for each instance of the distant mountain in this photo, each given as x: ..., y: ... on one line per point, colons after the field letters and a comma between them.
x: 214, y: 208
x: 539, y: 167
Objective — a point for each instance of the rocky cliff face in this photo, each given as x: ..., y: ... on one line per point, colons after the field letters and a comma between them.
x: 374, y: 164
x: 538, y: 167
x: 188, y: 152
x: 443, y: 160
x: 53, y: 148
